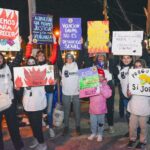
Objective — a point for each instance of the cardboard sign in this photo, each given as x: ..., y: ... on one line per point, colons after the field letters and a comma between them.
x: 89, y: 82
x: 139, y: 81
x: 33, y: 76
x: 98, y: 36
x: 127, y: 43
x: 9, y: 30
x: 42, y: 29
x: 70, y: 33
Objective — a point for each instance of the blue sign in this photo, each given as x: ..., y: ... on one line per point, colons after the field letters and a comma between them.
x: 70, y: 34
x: 42, y: 29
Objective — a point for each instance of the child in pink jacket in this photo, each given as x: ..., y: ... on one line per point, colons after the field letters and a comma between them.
x: 98, y: 108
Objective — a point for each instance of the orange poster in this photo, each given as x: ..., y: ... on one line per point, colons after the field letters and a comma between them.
x: 9, y: 30
x: 98, y: 37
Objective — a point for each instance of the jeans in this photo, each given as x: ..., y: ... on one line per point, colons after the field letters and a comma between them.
x: 49, y: 97
x: 67, y: 106
x: 97, y: 124
x: 125, y: 101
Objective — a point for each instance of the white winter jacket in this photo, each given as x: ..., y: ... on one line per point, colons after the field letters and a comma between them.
x: 139, y: 105
x: 123, y: 76
x: 70, y: 79
x: 6, y: 84
x: 34, y: 99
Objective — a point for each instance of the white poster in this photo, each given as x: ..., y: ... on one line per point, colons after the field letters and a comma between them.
x: 33, y: 76
x: 139, y: 81
x: 127, y: 43
x: 9, y: 30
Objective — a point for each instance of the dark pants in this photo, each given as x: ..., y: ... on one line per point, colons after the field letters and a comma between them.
x: 35, y: 119
x: 110, y: 105
x: 13, y: 128
x: 121, y: 102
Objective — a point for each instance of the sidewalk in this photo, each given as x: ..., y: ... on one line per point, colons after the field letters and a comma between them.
x: 114, y: 141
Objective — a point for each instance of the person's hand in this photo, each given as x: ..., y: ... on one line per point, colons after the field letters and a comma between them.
x: 129, y: 93
x: 20, y: 40
x: 30, y: 39
x: 17, y: 88
x: 54, y: 39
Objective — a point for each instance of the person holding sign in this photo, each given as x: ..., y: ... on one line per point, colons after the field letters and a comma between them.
x: 139, y: 108
x: 41, y: 60
x: 126, y: 63
x: 70, y: 90
x: 34, y: 102
x: 98, y: 108
x: 6, y: 93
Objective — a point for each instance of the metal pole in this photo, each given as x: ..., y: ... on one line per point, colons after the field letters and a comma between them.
x: 31, y: 9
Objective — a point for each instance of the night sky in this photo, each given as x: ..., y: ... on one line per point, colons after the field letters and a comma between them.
x: 86, y: 9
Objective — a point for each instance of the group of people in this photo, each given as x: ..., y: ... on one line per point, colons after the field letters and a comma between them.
x: 36, y: 99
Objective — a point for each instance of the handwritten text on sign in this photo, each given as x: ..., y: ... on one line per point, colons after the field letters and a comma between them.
x: 139, y: 81
x: 70, y: 33
x: 89, y: 82
x: 42, y: 26
x: 33, y: 76
x: 9, y: 30
x: 127, y: 43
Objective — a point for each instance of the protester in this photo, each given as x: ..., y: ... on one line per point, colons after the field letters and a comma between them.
x: 102, y: 63
x: 6, y: 87
x: 139, y: 108
x: 34, y: 102
x: 98, y: 108
x: 123, y: 75
x: 70, y: 90
x: 41, y: 60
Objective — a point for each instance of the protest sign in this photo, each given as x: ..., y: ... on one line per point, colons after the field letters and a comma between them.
x: 89, y: 82
x: 33, y: 76
x: 98, y: 36
x: 42, y: 29
x: 9, y: 30
x: 70, y: 33
x: 139, y: 81
x: 127, y: 43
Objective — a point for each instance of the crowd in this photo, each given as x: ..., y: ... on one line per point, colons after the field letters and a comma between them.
x: 39, y: 100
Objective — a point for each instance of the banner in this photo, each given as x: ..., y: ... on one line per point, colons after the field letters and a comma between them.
x: 33, y: 76
x: 42, y: 29
x: 98, y: 36
x: 9, y: 30
x: 89, y: 82
x: 127, y: 43
x: 70, y: 34
x: 139, y: 81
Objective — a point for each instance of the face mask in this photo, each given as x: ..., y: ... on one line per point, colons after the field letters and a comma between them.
x: 31, y: 62
x: 100, y: 64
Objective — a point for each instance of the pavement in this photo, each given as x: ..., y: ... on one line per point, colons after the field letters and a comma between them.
x: 115, y: 141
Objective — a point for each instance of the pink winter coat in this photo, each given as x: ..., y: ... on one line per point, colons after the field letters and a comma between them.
x: 98, y: 102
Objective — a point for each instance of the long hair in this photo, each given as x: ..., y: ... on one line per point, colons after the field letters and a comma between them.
x: 142, y: 62
x: 4, y: 61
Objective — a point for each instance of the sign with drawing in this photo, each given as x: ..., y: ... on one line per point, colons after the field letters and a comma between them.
x: 139, y: 81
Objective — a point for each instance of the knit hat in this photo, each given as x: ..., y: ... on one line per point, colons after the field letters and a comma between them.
x: 101, y: 72
x: 69, y: 56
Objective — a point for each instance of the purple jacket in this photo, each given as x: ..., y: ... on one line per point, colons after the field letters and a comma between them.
x: 98, y: 102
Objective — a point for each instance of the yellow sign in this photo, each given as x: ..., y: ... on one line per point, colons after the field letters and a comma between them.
x: 98, y: 36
